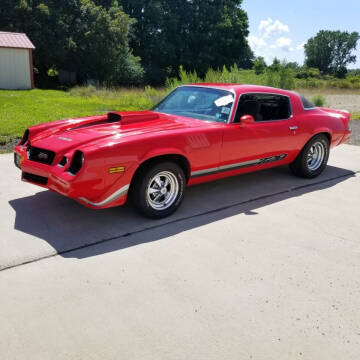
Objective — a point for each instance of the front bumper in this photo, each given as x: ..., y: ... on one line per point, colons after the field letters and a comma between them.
x: 346, y: 137
x: 86, y: 187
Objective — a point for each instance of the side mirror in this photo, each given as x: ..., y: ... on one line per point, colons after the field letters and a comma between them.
x: 247, y: 119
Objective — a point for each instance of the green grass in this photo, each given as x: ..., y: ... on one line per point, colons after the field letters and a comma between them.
x: 21, y: 109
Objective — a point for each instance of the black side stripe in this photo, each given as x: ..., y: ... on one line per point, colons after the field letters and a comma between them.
x: 236, y: 166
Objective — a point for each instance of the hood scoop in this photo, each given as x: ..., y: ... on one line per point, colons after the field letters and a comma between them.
x: 130, y: 117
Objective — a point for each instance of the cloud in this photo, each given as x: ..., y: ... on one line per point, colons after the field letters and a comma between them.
x: 300, y: 46
x: 269, y: 28
x: 256, y: 42
x: 274, y: 39
x: 264, y: 24
x: 283, y: 43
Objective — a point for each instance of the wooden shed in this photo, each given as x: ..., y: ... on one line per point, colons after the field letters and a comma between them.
x: 16, y: 63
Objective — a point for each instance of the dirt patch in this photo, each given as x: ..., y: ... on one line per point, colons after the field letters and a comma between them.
x: 348, y: 102
x: 345, y: 100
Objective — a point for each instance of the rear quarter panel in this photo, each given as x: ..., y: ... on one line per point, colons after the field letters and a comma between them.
x: 316, y: 121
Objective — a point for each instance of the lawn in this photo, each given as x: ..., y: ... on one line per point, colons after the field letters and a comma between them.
x: 21, y: 109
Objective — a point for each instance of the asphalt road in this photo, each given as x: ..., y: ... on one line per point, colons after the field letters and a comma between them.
x: 261, y: 266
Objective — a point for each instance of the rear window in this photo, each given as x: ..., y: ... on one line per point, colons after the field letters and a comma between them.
x: 307, y: 104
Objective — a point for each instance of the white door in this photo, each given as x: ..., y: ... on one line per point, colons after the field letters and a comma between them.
x: 14, y: 69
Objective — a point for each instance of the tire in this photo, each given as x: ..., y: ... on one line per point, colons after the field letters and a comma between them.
x: 158, y: 189
x: 313, y: 158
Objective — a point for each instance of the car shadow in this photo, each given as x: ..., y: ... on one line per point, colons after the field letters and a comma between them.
x: 68, y: 226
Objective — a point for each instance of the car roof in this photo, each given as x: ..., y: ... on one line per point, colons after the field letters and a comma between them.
x: 244, y: 88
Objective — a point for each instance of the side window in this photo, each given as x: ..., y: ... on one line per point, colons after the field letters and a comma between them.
x: 307, y: 104
x: 264, y: 107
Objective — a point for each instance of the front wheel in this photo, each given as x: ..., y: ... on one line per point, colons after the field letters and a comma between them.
x: 313, y: 158
x: 159, y: 189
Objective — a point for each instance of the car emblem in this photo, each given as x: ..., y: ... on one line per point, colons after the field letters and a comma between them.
x: 43, y: 156
x: 64, y: 138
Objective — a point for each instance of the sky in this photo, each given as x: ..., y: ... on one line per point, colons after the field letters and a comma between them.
x: 281, y: 27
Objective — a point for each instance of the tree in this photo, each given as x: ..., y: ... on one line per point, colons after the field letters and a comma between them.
x: 94, y: 37
x: 101, y: 45
x: 276, y: 64
x: 259, y: 65
x: 76, y: 35
x: 196, y: 34
x: 331, y: 51
x: 293, y: 65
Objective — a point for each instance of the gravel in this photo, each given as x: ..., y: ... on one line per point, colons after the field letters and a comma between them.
x: 8, y: 147
x: 349, y: 102
x: 355, y: 136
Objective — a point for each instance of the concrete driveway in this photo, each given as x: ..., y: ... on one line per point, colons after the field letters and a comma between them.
x: 261, y: 266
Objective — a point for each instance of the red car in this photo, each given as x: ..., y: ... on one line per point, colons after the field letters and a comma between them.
x: 198, y: 133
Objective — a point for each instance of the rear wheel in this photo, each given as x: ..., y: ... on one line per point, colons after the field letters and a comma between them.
x: 158, y: 189
x: 313, y: 158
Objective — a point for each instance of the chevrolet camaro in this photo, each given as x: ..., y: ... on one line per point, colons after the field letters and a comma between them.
x: 198, y: 133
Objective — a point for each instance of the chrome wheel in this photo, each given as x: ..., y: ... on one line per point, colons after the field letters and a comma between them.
x: 162, y: 190
x: 316, y: 155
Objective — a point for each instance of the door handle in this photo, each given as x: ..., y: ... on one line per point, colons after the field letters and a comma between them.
x: 292, y: 128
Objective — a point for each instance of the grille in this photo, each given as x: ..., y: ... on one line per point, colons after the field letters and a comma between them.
x: 40, y: 155
x: 35, y: 178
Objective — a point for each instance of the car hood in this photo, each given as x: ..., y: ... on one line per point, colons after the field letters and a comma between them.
x: 114, y: 127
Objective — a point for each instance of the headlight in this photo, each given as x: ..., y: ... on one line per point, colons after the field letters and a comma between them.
x: 76, y: 162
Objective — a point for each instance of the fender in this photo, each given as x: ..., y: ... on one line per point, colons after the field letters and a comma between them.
x: 163, y: 151
x: 122, y: 184
x: 320, y: 130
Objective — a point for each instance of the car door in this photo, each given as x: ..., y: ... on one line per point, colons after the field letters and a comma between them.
x: 270, y: 138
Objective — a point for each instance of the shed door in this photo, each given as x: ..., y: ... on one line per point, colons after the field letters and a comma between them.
x: 14, y: 69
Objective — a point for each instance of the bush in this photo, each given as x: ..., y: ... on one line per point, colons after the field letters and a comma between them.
x: 83, y: 91
x: 280, y: 76
x: 286, y: 78
x: 305, y: 73
x: 4, y: 139
x: 344, y: 84
x: 272, y: 78
x: 318, y: 100
x: 128, y: 70
x: 259, y: 65
x: 154, y: 95
x: 308, y: 83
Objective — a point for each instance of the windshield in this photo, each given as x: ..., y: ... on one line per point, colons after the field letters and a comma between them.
x: 197, y: 102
